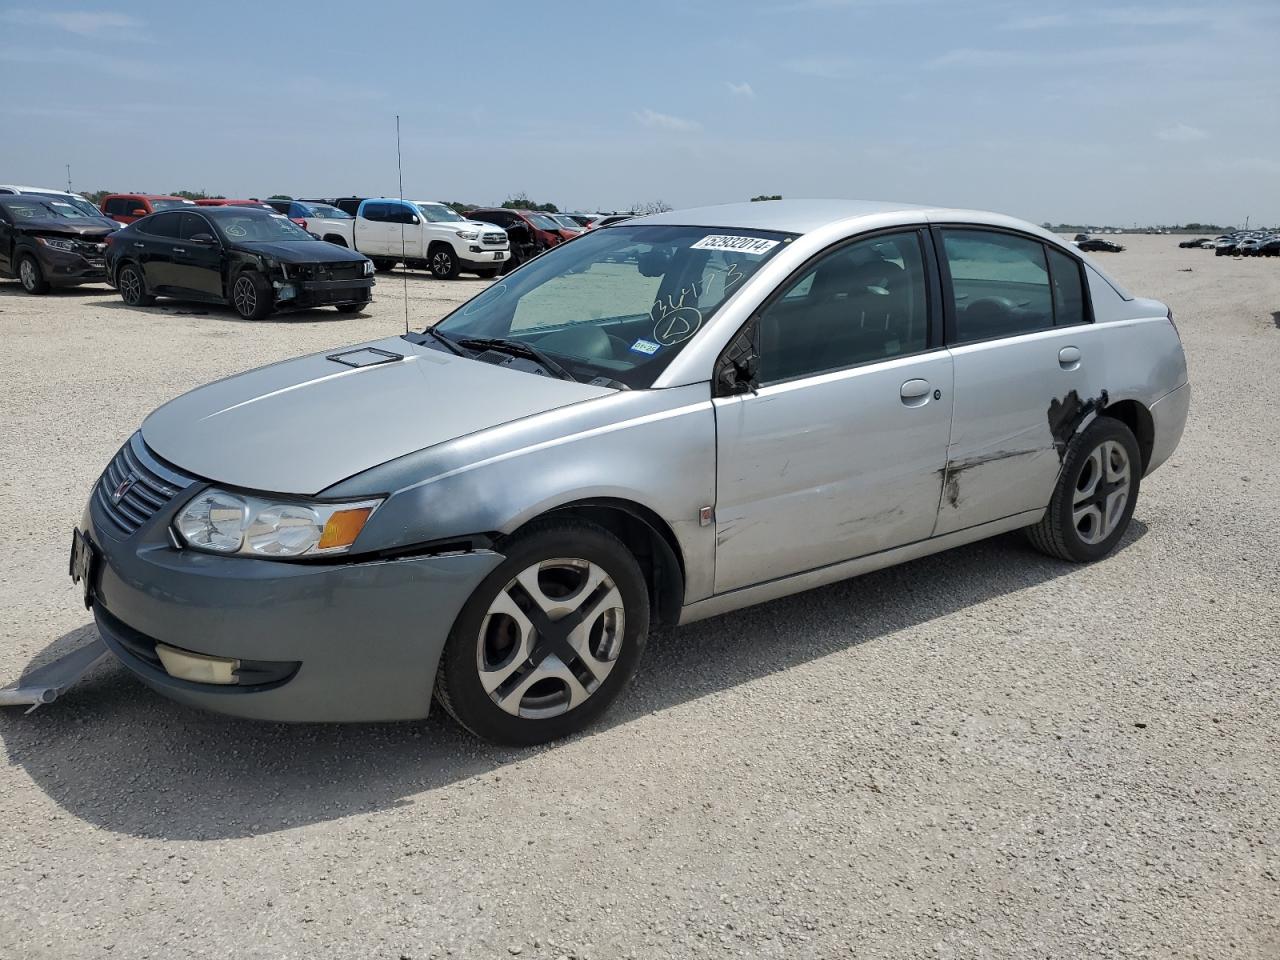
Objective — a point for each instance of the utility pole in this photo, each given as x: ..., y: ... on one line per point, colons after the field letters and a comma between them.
x: 69, y: 190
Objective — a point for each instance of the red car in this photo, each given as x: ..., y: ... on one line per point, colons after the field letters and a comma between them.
x: 545, y: 229
x: 224, y: 202
x: 128, y: 207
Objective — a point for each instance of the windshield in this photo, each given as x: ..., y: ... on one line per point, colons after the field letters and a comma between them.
x: 617, y: 303
x: 170, y: 204
x: 567, y: 222
x: 86, y: 208
x: 30, y: 208
x: 543, y: 222
x: 273, y: 227
x: 324, y: 210
x: 438, y: 213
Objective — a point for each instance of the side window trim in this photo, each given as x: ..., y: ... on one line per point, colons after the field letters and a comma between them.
x: 934, y: 339
x: 1086, y: 299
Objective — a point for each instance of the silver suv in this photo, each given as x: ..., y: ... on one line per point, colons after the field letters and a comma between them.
x: 664, y: 420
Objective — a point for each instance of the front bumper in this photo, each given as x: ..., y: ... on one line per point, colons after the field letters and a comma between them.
x: 318, y: 642
x: 322, y: 293
x: 65, y: 269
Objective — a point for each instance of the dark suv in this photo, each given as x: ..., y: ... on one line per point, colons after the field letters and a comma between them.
x: 48, y: 242
x: 255, y: 260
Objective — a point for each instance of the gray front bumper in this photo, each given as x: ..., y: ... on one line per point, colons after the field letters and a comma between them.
x: 365, y: 637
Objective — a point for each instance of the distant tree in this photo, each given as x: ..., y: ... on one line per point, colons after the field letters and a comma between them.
x: 652, y: 206
x: 457, y: 206
x: 776, y: 196
x: 95, y: 196
x: 279, y: 196
x: 521, y: 201
x: 196, y: 195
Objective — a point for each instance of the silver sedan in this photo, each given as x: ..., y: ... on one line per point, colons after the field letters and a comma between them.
x: 662, y: 420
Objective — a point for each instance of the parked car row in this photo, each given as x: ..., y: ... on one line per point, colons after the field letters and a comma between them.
x: 1245, y: 243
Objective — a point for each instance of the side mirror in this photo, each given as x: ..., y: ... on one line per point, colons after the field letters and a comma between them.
x: 202, y: 238
x: 738, y: 371
x: 414, y: 220
x: 315, y: 236
x: 137, y: 212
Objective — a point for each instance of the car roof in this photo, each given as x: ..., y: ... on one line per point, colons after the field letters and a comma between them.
x: 806, y: 216
x: 232, y: 210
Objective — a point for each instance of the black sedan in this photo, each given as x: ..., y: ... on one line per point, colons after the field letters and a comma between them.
x: 1097, y: 244
x: 255, y: 260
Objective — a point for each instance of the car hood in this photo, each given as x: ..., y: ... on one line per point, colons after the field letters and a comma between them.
x: 86, y: 227
x: 299, y: 251
x: 300, y: 426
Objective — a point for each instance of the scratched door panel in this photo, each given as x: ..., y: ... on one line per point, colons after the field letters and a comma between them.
x: 823, y: 469
x: 1003, y: 457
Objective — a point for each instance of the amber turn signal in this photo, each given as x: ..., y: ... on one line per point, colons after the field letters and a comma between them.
x: 343, y: 527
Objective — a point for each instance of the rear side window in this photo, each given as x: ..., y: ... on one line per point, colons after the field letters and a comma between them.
x: 1000, y: 283
x: 122, y: 205
x: 1068, y: 290
x: 377, y: 212
x: 163, y: 224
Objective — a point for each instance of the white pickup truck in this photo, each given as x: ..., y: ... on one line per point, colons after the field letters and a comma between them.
x: 429, y: 235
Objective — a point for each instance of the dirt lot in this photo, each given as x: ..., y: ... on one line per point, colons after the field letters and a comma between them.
x: 981, y: 754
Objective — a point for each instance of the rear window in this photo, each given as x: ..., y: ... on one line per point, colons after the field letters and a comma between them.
x: 170, y: 204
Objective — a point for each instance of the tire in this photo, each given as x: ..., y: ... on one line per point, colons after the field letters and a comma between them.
x: 1087, y: 517
x: 336, y: 240
x: 133, y: 286
x: 559, y: 560
x: 487, y: 274
x: 251, y: 295
x: 31, y: 275
x: 383, y: 265
x: 351, y: 307
x: 443, y: 262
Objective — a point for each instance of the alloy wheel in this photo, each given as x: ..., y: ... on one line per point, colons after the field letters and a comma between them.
x: 27, y: 273
x: 1101, y: 493
x: 550, y: 638
x: 130, y: 286
x: 245, y: 296
x: 442, y: 263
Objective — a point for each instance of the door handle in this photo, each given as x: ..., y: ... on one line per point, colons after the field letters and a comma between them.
x: 1069, y: 358
x: 139, y: 245
x: 915, y: 393
x: 179, y: 249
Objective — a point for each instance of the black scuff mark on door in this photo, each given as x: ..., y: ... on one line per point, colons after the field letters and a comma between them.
x: 955, y: 469
x: 1066, y: 415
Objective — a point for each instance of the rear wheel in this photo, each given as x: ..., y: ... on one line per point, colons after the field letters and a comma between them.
x: 549, y: 638
x: 31, y: 275
x: 133, y: 289
x: 383, y: 265
x: 487, y: 274
x: 1095, y: 496
x: 251, y: 295
x: 336, y: 240
x: 443, y: 262
x: 350, y: 308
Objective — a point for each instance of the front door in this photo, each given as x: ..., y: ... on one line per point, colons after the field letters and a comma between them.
x: 841, y: 452
x: 197, y: 264
x: 1027, y: 364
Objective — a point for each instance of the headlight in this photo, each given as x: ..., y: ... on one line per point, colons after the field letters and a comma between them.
x: 467, y: 234
x: 368, y: 268
x: 224, y: 522
x: 68, y: 245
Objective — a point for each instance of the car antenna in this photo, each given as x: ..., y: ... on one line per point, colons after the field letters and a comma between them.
x: 405, y: 272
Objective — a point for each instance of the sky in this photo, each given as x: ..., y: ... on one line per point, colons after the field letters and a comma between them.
x: 1083, y: 112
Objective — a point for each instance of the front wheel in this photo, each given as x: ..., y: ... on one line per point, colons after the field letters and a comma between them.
x: 31, y: 275
x: 251, y: 295
x: 1095, y: 496
x: 549, y: 639
x: 443, y: 262
x: 487, y: 274
x: 351, y: 307
x: 383, y: 265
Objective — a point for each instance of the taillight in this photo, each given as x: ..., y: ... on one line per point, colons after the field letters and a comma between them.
x: 300, y: 222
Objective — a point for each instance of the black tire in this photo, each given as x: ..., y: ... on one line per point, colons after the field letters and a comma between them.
x: 251, y: 295
x: 1058, y: 534
x: 351, y: 307
x: 132, y: 284
x: 336, y: 240
x: 459, y: 687
x: 31, y: 276
x: 443, y: 262
x: 383, y: 265
x: 487, y: 274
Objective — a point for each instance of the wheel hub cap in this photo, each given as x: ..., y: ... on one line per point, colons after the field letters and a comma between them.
x: 1102, y: 491
x: 550, y: 638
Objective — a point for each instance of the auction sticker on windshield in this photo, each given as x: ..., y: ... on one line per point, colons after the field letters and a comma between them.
x: 752, y: 246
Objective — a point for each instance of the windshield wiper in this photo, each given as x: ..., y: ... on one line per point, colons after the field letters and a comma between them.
x: 447, y: 341
x: 518, y: 348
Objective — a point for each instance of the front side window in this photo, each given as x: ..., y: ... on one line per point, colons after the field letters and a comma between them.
x: 866, y: 301
x: 618, y: 304
x: 1000, y: 283
x: 272, y: 227
x: 192, y: 226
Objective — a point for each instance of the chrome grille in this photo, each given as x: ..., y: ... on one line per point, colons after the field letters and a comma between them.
x: 136, y: 484
x: 499, y: 238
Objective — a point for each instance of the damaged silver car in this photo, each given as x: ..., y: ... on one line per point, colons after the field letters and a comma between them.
x: 660, y: 421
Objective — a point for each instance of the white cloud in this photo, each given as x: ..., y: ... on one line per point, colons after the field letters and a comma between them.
x: 742, y: 89
x: 85, y: 23
x: 1182, y: 133
x: 664, y: 121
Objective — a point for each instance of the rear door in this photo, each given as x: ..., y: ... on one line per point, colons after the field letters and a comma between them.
x: 6, y: 243
x: 154, y: 244
x: 373, y: 229
x: 1025, y: 358
x: 197, y: 264
x: 840, y: 452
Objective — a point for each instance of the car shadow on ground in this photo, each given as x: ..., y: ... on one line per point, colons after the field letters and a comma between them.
x: 12, y: 288
x: 226, y: 314
x: 119, y: 756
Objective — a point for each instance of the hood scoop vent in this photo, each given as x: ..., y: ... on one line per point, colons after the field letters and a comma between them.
x: 365, y: 357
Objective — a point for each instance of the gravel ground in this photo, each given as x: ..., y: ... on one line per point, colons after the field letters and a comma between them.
x: 981, y: 754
